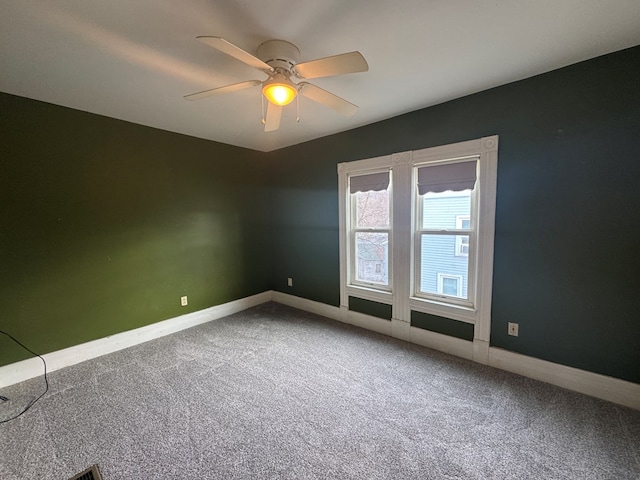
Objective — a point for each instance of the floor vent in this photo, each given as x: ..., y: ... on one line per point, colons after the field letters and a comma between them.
x: 91, y: 473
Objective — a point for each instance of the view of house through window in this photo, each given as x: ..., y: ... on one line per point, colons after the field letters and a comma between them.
x: 444, y: 254
x: 463, y: 222
x: 450, y: 284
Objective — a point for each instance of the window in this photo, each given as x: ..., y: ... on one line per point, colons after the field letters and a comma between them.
x: 462, y: 241
x: 440, y: 248
x: 444, y: 194
x: 370, y: 229
x: 450, y: 285
x: 417, y: 229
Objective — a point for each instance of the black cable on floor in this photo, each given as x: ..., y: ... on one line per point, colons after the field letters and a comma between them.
x: 46, y: 381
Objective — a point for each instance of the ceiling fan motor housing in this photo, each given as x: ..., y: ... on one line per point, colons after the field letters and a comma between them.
x: 279, y: 54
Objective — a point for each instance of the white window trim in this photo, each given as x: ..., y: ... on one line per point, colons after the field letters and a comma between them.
x: 347, y: 288
x: 402, y: 266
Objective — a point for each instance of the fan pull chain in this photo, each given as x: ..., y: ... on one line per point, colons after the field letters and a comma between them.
x: 298, y: 108
x: 263, y: 120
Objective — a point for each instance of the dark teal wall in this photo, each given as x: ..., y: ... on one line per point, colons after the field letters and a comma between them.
x: 374, y: 309
x: 568, y: 210
x: 446, y: 326
x: 106, y: 224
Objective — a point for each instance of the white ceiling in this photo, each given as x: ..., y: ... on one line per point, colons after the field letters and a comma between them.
x: 135, y: 59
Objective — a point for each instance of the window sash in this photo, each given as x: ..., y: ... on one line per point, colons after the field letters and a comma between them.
x: 469, y: 301
x: 355, y: 280
x: 376, y: 181
x: 455, y: 233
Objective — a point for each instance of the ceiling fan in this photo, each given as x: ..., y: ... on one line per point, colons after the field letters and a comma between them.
x: 280, y: 61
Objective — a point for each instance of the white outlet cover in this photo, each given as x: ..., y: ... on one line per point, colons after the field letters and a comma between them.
x: 184, y: 301
x: 512, y: 329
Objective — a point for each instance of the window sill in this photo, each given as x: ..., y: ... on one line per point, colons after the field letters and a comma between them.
x: 372, y: 294
x: 442, y: 309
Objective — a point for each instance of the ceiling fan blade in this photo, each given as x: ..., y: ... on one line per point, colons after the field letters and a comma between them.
x: 236, y: 52
x: 352, y: 62
x: 227, y: 89
x: 272, y: 122
x: 319, y: 95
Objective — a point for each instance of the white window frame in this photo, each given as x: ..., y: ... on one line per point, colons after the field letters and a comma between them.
x: 354, y: 230
x: 402, y: 265
x: 349, y: 287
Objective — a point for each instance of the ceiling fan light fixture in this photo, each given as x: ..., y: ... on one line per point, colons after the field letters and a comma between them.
x: 279, y: 91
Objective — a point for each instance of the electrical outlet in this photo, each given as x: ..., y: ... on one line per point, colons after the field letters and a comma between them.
x: 290, y: 282
x: 513, y: 329
x: 183, y: 301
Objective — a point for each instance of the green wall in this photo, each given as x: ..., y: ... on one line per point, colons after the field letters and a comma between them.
x: 106, y: 224
x: 567, y: 267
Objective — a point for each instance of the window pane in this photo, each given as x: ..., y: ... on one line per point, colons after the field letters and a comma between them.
x: 462, y: 245
x: 372, y: 209
x: 372, y: 257
x: 438, y: 259
x: 443, y: 211
x: 450, y: 286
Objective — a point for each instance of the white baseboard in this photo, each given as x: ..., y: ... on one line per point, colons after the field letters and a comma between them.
x: 593, y: 384
x: 33, y: 367
x: 367, y: 322
x: 307, y: 305
x: 443, y: 343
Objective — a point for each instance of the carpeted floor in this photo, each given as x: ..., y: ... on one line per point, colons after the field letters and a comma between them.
x: 274, y: 392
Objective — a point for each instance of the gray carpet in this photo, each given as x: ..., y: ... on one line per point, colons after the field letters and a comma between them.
x: 274, y: 392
